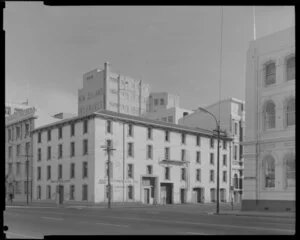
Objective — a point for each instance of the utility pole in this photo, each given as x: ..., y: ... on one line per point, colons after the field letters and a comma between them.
x: 108, y: 149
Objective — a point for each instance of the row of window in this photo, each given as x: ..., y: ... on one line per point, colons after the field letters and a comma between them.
x: 60, y: 171
x: 269, y: 114
x: 18, y: 152
x: 17, y: 132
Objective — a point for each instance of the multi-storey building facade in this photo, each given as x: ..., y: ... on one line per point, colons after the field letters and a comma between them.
x: 153, y: 161
x: 18, y: 151
x: 270, y: 129
x: 165, y: 107
x: 231, y: 113
x: 11, y: 108
x: 105, y: 90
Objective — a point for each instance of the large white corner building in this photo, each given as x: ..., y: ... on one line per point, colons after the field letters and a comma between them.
x: 269, y: 181
x: 232, y: 120
x: 105, y: 90
x: 153, y: 161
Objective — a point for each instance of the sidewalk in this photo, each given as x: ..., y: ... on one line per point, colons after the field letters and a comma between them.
x: 290, y: 215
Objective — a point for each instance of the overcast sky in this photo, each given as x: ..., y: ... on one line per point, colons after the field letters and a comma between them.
x: 174, y: 49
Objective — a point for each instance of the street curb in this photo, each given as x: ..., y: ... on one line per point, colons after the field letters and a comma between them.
x: 254, y: 215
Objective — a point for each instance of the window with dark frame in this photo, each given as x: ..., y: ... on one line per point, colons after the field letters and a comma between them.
x: 85, y: 147
x: 84, y: 192
x: 167, y: 153
x: 48, y: 153
x: 198, y: 140
x: 60, y: 171
x: 149, y: 169
x: 149, y: 133
x: 72, y: 129
x: 39, y: 173
x: 72, y: 149
x: 211, y: 142
x: 212, y: 160
x: 39, y: 154
x: 167, y: 173
x: 183, y: 138
x: 149, y: 152
x: 48, y: 172
x: 130, y: 170
x: 60, y: 151
x: 85, y: 126
x: 182, y: 154
x: 108, y: 126
x: 167, y: 138
x: 49, y: 135
x: 39, y: 137
x: 198, y: 175
x: 72, y: 173
x: 224, y: 160
x: 72, y: 192
x: 183, y: 174
x: 130, y: 192
x: 84, y: 170
x: 130, y: 149
x: 212, y: 175
x: 130, y: 130
x: 198, y: 157
x: 60, y: 133
x: 224, y: 145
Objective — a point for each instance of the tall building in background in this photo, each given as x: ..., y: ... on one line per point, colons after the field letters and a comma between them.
x: 105, y: 90
x: 232, y: 120
x: 165, y: 107
x: 270, y: 124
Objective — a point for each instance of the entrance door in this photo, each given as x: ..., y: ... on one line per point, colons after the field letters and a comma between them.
x: 147, y: 195
x: 166, y: 193
x: 182, y: 195
x: 61, y: 194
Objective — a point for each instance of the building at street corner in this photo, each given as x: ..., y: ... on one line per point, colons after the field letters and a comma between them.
x: 18, y: 149
x: 154, y: 162
x: 232, y: 120
x: 165, y: 107
x: 105, y: 90
x: 269, y: 181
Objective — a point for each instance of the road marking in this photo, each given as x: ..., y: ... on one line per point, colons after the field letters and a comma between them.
x: 19, y: 235
x: 51, y: 218
x: 196, y: 233
x: 114, y: 225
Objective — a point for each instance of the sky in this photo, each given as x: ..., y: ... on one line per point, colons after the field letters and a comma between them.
x: 174, y: 49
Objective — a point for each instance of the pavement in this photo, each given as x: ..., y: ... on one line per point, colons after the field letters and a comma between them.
x: 38, y: 221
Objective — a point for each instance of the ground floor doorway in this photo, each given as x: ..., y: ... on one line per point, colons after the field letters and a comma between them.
x: 60, y: 194
x: 149, y: 188
x: 198, y: 194
x: 166, y: 193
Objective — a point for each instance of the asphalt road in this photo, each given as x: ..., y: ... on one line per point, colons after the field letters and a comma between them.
x: 36, y: 222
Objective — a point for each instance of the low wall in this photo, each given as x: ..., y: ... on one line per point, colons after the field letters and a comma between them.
x: 269, y: 205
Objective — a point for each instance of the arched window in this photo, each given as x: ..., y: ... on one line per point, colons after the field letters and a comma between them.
x: 236, y: 181
x: 270, y: 73
x: 290, y: 68
x: 269, y: 172
x: 269, y: 115
x: 290, y: 112
x: 290, y: 170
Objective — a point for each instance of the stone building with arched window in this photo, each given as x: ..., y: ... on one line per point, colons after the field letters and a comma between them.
x: 269, y: 143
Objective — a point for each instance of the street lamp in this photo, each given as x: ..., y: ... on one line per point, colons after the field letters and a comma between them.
x: 218, y: 154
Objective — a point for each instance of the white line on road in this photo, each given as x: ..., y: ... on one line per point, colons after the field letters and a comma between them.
x: 18, y: 235
x: 51, y: 218
x: 114, y: 225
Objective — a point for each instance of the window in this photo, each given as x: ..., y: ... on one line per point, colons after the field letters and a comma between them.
x: 212, y: 195
x: 60, y: 151
x: 18, y: 150
x: 130, y: 130
x: 224, y: 145
x: 198, y: 140
x: 183, y: 174
x: 212, y: 158
x: 39, y: 173
x: 27, y: 148
x: 60, y: 171
x: 149, y: 133
x: 224, y: 176
x: 72, y: 149
x: 18, y: 168
x: 85, y: 126
x: 84, y: 170
x: 84, y: 192
x: 60, y: 133
x: 130, y: 171
x: 211, y: 142
x: 108, y: 126
x: 39, y: 154
x: 269, y: 170
x: 48, y: 172
x: 149, y: 152
x: 49, y: 153
x: 10, y: 152
x: 235, y: 152
x: 9, y: 135
x: 290, y: 68
x: 236, y: 181
x: 198, y: 157
x: 48, y: 192
x: 270, y: 71
x: 149, y: 169
x: 224, y: 160
x: 212, y: 175
x: 290, y: 112
x: 72, y: 129
x: 170, y: 119
x: 182, y: 155
x: 85, y: 147
x: 26, y: 130
x: 130, y: 149
x: 290, y: 171
x: 167, y: 136
x: 130, y: 192
x: 162, y: 101
x: 167, y: 153
x: 183, y: 138
x: 49, y: 135
x: 235, y: 128
x: 18, y: 132
x: 39, y: 192
x: 198, y: 175
x: 155, y: 102
x: 72, y: 192
x: 9, y: 168
x: 39, y: 137
x: 72, y: 170
x: 167, y: 173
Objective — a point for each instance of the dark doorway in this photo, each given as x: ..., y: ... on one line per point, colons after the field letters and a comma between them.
x: 182, y: 195
x: 147, y: 195
x: 61, y: 194
x: 166, y: 193
x: 199, y: 192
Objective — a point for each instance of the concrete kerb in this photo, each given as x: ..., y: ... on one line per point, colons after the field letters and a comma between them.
x: 260, y: 214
